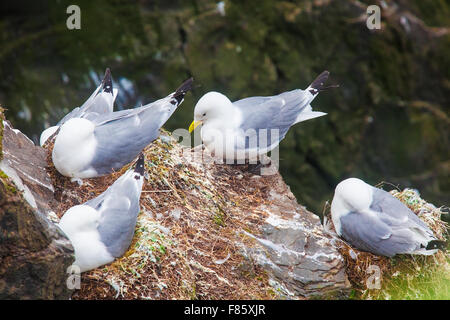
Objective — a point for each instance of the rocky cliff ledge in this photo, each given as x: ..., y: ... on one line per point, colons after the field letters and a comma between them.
x: 34, y: 254
x: 205, y: 231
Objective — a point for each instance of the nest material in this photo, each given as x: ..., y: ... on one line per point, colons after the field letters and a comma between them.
x: 184, y: 246
x: 403, y: 275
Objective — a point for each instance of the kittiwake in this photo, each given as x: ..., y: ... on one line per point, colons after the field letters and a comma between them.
x: 101, y: 101
x: 87, y: 148
x: 248, y: 128
x: 373, y: 220
x: 102, y: 229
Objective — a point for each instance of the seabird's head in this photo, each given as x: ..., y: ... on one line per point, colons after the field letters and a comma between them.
x: 212, y: 106
x: 350, y: 195
x: 355, y: 194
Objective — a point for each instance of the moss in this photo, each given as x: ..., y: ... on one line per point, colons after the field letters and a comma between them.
x: 218, y: 219
x: 420, y: 278
x: 7, y: 182
x: 434, y: 13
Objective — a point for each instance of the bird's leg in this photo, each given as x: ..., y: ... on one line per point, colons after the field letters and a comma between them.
x: 77, y: 180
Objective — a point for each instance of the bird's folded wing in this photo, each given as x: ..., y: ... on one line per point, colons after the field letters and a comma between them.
x: 78, y: 111
x: 271, y: 113
x: 122, y: 135
x: 394, y: 212
x: 275, y: 112
x: 364, y: 231
x: 117, y: 223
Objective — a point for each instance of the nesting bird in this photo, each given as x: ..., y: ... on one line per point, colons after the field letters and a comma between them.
x: 101, y: 101
x: 102, y: 229
x: 253, y: 126
x: 373, y: 220
x: 86, y: 148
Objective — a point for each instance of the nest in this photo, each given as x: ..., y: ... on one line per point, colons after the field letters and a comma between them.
x: 403, y: 276
x: 184, y: 246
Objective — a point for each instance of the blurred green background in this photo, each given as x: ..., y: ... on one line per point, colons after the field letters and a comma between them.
x: 388, y: 121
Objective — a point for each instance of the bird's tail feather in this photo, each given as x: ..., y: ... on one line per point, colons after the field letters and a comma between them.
x: 307, y: 115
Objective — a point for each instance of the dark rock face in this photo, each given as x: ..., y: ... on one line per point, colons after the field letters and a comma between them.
x: 34, y: 254
x: 27, y: 162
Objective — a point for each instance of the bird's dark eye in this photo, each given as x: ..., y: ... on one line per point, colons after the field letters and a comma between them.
x: 204, y: 114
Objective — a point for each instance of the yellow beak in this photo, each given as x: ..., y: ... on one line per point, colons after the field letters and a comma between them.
x: 194, y: 125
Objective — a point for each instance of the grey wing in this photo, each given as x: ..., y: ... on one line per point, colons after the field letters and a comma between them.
x: 251, y: 101
x: 272, y: 113
x: 97, y: 202
x: 118, y: 218
x: 94, y: 106
x: 396, y: 213
x: 73, y: 114
x: 78, y: 111
x: 98, y: 106
x: 365, y: 232
x: 122, y: 135
x: 373, y: 235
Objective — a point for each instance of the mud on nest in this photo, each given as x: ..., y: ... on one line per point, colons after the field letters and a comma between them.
x: 185, y: 241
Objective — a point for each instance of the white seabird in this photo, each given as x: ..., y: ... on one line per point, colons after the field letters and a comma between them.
x: 87, y: 148
x: 373, y: 220
x: 101, y: 101
x: 250, y: 127
x: 102, y: 229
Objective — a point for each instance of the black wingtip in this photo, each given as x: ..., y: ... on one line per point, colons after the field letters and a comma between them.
x: 139, y: 168
x: 319, y: 82
x: 183, y: 89
x: 107, y: 82
x: 437, y: 244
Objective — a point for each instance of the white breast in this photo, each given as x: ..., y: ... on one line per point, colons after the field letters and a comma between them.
x: 80, y: 224
x: 74, y: 147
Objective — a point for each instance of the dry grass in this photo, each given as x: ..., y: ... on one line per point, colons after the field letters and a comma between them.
x: 191, y: 215
x: 184, y: 245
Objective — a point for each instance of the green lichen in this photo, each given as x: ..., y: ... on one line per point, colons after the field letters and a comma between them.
x: 219, y: 219
x: 7, y: 182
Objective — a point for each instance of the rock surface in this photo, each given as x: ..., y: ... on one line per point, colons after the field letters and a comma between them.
x: 212, y: 231
x: 295, y: 250
x: 34, y: 254
x: 206, y: 231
